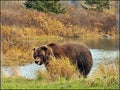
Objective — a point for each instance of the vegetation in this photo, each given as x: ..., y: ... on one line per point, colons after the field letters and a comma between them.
x: 96, y: 83
x: 22, y: 27
x: 105, y: 77
x: 24, y: 24
x: 58, y: 68
x: 98, y: 4
x: 45, y: 6
x: 61, y: 68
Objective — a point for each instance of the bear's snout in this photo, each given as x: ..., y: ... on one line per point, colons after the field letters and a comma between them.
x: 38, y: 61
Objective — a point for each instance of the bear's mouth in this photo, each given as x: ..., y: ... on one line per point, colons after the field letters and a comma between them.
x: 38, y: 61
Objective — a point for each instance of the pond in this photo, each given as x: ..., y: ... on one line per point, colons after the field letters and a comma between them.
x: 101, y: 48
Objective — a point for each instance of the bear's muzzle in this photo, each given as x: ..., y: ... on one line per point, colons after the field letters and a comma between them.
x: 38, y: 61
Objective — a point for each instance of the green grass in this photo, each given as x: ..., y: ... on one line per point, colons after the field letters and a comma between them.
x: 82, y: 83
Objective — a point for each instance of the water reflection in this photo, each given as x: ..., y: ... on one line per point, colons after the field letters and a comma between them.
x: 99, y: 43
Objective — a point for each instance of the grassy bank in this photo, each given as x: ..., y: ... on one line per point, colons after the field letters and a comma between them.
x: 105, y: 77
x: 89, y: 83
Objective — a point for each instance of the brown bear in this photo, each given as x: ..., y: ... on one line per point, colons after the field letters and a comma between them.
x: 78, y: 53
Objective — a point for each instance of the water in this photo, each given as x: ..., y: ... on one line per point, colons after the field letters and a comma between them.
x: 101, y: 49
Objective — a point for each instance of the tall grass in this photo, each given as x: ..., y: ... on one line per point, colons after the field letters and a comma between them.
x: 58, y: 68
x: 108, y: 72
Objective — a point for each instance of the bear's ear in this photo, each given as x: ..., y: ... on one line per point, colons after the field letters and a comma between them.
x: 44, y: 47
x: 33, y: 49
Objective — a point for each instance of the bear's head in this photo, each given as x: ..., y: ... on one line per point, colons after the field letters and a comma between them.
x: 42, y: 55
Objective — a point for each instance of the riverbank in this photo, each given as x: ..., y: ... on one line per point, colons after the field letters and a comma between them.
x: 106, y: 76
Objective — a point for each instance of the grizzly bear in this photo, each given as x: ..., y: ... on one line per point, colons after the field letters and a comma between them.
x: 78, y: 53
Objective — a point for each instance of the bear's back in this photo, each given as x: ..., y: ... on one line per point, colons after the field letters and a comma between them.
x: 70, y: 49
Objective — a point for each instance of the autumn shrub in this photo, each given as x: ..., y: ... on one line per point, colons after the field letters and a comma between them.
x: 15, y: 56
x: 51, y: 24
x: 11, y: 37
x: 61, y: 68
x: 89, y: 19
x: 42, y: 21
x: 107, y: 72
x: 14, y: 50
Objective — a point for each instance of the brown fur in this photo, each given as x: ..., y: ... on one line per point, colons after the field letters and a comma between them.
x: 78, y: 53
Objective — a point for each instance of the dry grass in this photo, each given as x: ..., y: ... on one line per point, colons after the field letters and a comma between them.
x: 61, y: 68
x: 15, y: 51
x: 107, y: 72
x: 108, y: 68
x: 58, y: 68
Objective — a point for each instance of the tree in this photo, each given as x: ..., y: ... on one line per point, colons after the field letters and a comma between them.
x: 98, y: 4
x: 45, y: 6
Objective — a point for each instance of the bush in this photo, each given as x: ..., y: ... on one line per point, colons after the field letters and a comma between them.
x: 61, y: 68
x: 104, y: 21
x: 14, y: 50
x: 74, y: 23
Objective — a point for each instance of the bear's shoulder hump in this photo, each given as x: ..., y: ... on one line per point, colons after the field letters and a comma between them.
x: 51, y: 44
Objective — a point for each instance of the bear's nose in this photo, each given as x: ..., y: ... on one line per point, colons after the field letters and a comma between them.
x: 36, y: 62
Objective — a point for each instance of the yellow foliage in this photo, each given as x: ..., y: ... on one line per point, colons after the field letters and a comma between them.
x: 61, y: 68
x: 107, y: 70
